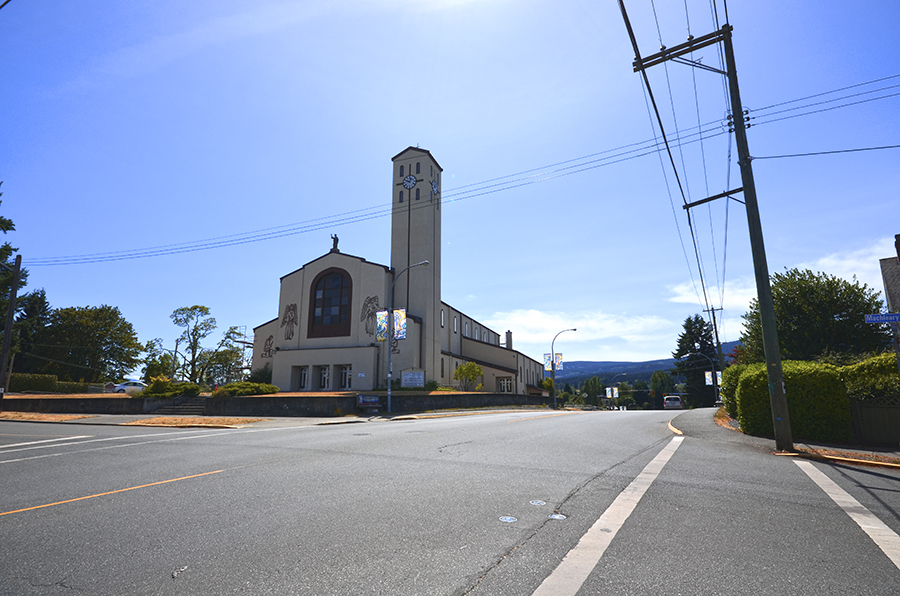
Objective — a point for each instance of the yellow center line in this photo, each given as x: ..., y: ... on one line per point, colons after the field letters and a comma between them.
x: 544, y: 416
x: 112, y: 492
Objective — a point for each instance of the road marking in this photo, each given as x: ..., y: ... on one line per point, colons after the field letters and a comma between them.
x: 112, y: 492
x: 45, y: 441
x: 576, y: 566
x: 886, y: 539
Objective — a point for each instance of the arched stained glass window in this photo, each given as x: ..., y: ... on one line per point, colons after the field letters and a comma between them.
x: 329, y: 305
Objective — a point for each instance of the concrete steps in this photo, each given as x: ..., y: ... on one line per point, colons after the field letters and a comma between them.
x: 194, y: 406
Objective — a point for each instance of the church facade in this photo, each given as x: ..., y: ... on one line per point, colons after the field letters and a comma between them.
x: 325, y: 335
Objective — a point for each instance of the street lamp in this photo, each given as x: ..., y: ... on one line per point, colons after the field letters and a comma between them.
x: 553, y: 365
x: 713, y: 364
x: 390, y: 322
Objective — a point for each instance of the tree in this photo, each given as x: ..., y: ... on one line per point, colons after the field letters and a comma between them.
x: 224, y: 363
x: 661, y: 383
x: 818, y: 315
x: 595, y: 390
x: 158, y: 362
x: 6, y: 279
x: 34, y: 316
x: 467, y: 374
x: 692, y: 360
x: 87, y: 343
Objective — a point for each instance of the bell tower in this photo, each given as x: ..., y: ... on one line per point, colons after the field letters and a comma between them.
x: 416, y: 237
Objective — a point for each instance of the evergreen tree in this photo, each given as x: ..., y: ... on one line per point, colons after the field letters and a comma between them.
x: 692, y: 360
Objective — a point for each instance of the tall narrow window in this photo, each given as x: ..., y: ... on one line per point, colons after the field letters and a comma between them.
x: 346, y: 376
x: 401, y: 171
x: 401, y: 196
x: 329, y: 304
x: 455, y: 326
x: 442, y: 368
x: 323, y: 377
x: 442, y: 317
x: 417, y: 194
x: 418, y: 168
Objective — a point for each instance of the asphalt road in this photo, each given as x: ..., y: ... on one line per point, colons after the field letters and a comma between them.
x: 432, y: 507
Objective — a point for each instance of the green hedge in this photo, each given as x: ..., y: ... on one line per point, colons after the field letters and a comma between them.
x: 816, y: 397
x: 872, y: 378
x: 19, y: 382
x: 245, y: 388
x: 162, y: 388
x: 71, y: 387
x: 728, y: 390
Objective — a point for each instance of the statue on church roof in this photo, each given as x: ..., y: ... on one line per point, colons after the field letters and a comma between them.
x: 334, y: 240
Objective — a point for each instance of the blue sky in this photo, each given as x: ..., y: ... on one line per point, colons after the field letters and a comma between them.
x: 137, y: 125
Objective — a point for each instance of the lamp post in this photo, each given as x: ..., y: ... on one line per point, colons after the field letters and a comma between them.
x: 391, y: 328
x: 553, y: 365
x: 713, y: 364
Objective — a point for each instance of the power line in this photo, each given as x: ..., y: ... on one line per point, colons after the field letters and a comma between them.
x: 527, y: 177
x: 829, y: 152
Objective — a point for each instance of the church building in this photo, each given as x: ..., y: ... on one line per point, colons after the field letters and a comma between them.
x: 325, y: 335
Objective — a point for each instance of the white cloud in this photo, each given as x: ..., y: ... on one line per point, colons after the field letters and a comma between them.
x: 862, y: 263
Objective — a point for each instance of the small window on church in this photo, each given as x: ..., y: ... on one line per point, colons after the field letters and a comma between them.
x: 418, y: 168
x: 401, y: 196
x: 417, y: 194
x: 401, y: 171
x: 442, y: 317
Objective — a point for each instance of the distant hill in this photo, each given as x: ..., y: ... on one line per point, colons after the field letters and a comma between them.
x: 577, y: 371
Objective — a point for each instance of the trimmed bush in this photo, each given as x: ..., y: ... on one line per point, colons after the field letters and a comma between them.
x: 872, y: 378
x: 19, y: 382
x: 816, y: 397
x: 245, y: 388
x: 162, y: 388
x: 71, y: 387
x: 728, y: 391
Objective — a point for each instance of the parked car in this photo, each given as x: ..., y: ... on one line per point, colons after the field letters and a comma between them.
x: 672, y: 402
x: 130, y: 387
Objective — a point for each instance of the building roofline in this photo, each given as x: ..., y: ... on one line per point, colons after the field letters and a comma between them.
x: 420, y: 150
x: 343, y: 254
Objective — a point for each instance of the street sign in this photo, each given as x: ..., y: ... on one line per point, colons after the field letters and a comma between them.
x: 888, y: 318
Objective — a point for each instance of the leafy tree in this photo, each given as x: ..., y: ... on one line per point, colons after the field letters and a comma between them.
x: 198, y: 325
x: 661, y: 383
x: 87, y: 343
x: 817, y: 314
x: 595, y: 390
x: 223, y: 365
x: 467, y: 374
x: 695, y: 348
x: 158, y: 362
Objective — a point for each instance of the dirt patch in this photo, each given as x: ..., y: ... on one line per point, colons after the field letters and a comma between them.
x: 194, y: 422
x: 34, y: 417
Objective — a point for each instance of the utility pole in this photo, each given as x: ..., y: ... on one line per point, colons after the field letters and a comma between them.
x: 780, y: 419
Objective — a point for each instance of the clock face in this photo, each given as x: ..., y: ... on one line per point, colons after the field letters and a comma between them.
x: 409, y: 181
x: 434, y: 188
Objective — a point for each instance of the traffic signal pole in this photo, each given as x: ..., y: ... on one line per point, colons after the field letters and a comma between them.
x: 780, y: 419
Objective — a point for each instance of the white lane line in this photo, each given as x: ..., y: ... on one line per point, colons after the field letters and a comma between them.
x: 577, y: 565
x: 182, y: 436
x: 886, y: 539
x: 44, y: 441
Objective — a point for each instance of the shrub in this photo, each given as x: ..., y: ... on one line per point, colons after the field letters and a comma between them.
x: 71, y: 387
x: 19, y: 382
x: 261, y: 375
x: 817, y: 402
x: 162, y: 388
x: 730, y: 378
x: 245, y: 388
x: 872, y: 378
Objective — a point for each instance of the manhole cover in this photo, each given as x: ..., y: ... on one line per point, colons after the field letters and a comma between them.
x: 538, y: 503
x: 558, y: 516
x: 508, y: 519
